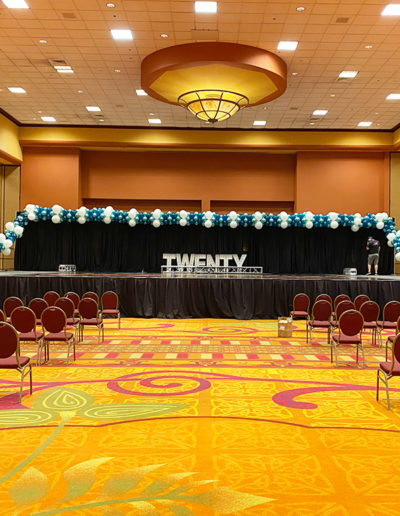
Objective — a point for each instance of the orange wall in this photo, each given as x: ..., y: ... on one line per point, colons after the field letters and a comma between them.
x: 346, y: 182
x: 204, y: 176
x: 49, y: 176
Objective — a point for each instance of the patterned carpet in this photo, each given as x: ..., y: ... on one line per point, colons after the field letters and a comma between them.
x: 202, y: 417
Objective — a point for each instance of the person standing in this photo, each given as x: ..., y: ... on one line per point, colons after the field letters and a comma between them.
x: 373, y: 248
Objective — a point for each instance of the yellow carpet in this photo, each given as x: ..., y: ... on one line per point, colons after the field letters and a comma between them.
x: 173, y: 417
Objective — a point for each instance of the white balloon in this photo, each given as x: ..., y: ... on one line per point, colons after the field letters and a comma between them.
x: 380, y: 225
x: 384, y: 215
x: 132, y: 223
x: 398, y: 233
x: 10, y: 226
x: 309, y: 224
x: 379, y: 216
x: 6, y: 252
x: 56, y: 209
x: 258, y: 224
x: 156, y: 223
x: 81, y: 220
x: 309, y: 215
x: 333, y: 215
x: 208, y: 214
x: 233, y: 215
x: 2, y: 238
x: 29, y: 208
x: 390, y: 236
x: 355, y: 228
x: 81, y: 211
x: 18, y: 230
x: 284, y: 224
x: 208, y: 223
x: 334, y: 224
x: 357, y: 221
x: 8, y: 243
x: 132, y: 213
x: 358, y: 215
x: 397, y: 256
x: 283, y: 215
x: 390, y: 244
x: 107, y: 219
x: 233, y: 224
x: 258, y: 215
x: 157, y: 213
x: 55, y: 219
x: 31, y: 216
x: 108, y: 211
x: 183, y: 214
x: 183, y: 222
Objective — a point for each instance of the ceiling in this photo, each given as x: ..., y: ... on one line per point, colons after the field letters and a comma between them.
x: 332, y: 35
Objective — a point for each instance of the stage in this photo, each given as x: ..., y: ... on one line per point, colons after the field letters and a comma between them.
x: 261, y: 296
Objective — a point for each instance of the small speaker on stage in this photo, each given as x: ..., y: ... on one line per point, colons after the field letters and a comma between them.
x: 350, y: 271
x: 66, y: 267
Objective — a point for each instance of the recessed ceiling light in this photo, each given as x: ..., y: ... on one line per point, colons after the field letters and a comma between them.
x: 259, y: 122
x: 93, y: 108
x: 154, y: 121
x: 80, y: 91
x: 295, y: 73
x: 348, y: 74
x: 48, y: 118
x: 17, y: 90
x: 109, y: 4
x: 163, y: 35
x: 117, y: 71
x: 151, y: 114
x: 101, y: 120
x: 364, y: 124
x: 43, y: 41
x: 333, y: 95
x: 121, y: 34
x: 287, y: 45
x: 320, y: 112
x: 65, y: 70
x: 312, y: 123
x: 141, y: 93
x: 62, y: 67
x: 393, y: 96
x: 16, y: 4
x: 391, y: 10
x: 206, y: 7
x: 368, y: 46
x: 300, y: 8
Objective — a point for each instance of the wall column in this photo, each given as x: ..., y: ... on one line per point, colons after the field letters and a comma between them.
x: 9, y: 195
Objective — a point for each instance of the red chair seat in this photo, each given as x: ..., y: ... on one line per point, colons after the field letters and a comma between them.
x: 61, y: 336
x: 346, y: 339
x: 369, y: 324
x: 93, y: 321
x: 110, y: 311
x: 298, y: 313
x: 333, y: 323
x: 71, y: 321
x: 319, y: 324
x: 391, y: 338
x: 386, y: 366
x: 11, y: 362
x: 30, y: 335
x: 386, y: 324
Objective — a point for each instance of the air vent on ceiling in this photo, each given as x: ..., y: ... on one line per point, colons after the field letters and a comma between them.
x: 205, y: 34
x: 58, y: 62
x: 69, y: 16
x: 342, y: 19
x: 294, y: 108
x: 97, y: 115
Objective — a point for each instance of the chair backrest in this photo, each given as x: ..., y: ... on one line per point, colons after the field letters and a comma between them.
x: 38, y: 304
x: 88, y: 308
x: 67, y: 305
x: 370, y: 311
x: 339, y: 299
x: 51, y: 297
x: 359, y: 300
x: 109, y: 300
x: 9, y: 341
x: 91, y: 295
x: 54, y: 319
x: 322, y: 310
x: 351, y: 322
x: 391, y: 311
x: 396, y: 350
x: 324, y: 297
x: 301, y: 302
x: 73, y: 296
x: 23, y: 319
x: 10, y: 303
x: 3, y: 317
x: 343, y: 307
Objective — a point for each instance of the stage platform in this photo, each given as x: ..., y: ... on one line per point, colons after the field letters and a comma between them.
x: 261, y: 296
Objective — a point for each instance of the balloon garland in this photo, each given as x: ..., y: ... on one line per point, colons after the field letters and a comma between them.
x: 208, y: 219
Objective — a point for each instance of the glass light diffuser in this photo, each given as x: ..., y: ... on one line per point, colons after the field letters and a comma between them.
x: 320, y: 112
x: 121, y: 34
x: 213, y: 105
x: 287, y: 45
x: 206, y: 7
x: 16, y: 4
x: 391, y: 10
x: 16, y: 90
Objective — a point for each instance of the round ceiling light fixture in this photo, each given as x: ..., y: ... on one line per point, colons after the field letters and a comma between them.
x: 213, y: 80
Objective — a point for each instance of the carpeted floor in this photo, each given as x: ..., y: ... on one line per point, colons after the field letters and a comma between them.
x: 199, y: 417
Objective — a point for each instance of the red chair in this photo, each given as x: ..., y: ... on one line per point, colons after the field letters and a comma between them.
x: 359, y: 300
x: 10, y: 355
x: 109, y: 305
x: 301, y: 305
x: 38, y: 304
x: 3, y: 317
x: 24, y: 321
x: 349, y: 332
x: 54, y: 321
x: 391, y: 338
x: 90, y: 316
x: 75, y: 299
x: 67, y: 306
x: 370, y: 311
x: 341, y: 307
x: 9, y: 304
x: 387, y: 370
x: 339, y: 299
x: 51, y: 297
x: 320, y: 318
x: 91, y: 295
x: 324, y: 297
x: 391, y: 312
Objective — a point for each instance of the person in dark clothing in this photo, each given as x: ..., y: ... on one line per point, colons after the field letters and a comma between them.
x: 373, y: 248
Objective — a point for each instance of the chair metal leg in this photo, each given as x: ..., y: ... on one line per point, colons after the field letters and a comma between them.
x: 73, y: 343
x: 386, y: 349
x: 119, y: 321
x: 387, y: 390
x: 68, y: 344
x: 363, y: 354
x: 30, y: 378
x: 377, y: 385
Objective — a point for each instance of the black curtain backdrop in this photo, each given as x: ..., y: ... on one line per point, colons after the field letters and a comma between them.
x: 99, y: 247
